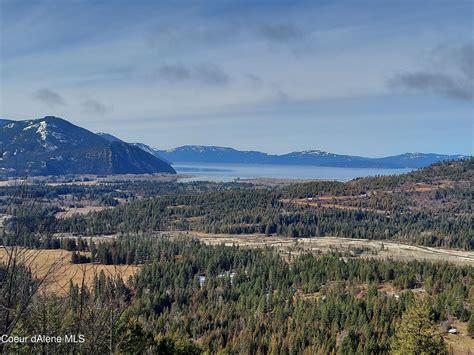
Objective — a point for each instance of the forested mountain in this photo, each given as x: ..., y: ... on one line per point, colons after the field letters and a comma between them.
x: 417, y: 160
x: 53, y: 146
x: 213, y: 154
x: 4, y: 121
x: 142, y: 146
x: 109, y: 137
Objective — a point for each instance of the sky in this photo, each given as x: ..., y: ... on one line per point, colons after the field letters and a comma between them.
x: 371, y: 78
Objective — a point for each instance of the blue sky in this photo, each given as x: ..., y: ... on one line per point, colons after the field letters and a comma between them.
x: 370, y: 78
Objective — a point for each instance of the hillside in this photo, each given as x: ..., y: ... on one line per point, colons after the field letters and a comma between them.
x: 142, y: 146
x: 214, y: 154
x: 53, y: 146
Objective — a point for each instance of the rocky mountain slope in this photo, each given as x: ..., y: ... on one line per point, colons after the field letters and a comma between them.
x: 53, y: 146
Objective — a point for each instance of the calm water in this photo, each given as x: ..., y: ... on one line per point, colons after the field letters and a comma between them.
x: 229, y: 172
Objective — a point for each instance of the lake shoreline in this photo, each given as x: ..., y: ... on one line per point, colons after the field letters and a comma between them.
x: 226, y: 172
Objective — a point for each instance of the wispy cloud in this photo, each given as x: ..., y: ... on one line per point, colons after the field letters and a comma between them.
x: 92, y: 106
x: 450, y: 74
x: 174, y: 72
x: 211, y: 74
x: 199, y: 35
x: 281, y: 33
x: 49, y: 97
x: 204, y: 73
x: 437, y: 83
x: 254, y: 80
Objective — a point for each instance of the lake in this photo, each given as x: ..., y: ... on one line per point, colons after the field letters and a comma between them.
x: 230, y: 172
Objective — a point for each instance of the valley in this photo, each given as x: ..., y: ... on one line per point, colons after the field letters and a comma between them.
x: 236, y: 177
x: 160, y: 253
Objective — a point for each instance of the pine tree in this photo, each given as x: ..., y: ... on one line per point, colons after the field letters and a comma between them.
x: 470, y: 325
x: 416, y: 333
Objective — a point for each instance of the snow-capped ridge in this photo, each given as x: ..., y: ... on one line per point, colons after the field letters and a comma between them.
x: 53, y: 146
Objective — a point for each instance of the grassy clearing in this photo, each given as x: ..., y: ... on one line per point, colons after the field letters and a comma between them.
x: 57, y: 263
x: 461, y: 343
x: 79, y: 210
x: 380, y: 249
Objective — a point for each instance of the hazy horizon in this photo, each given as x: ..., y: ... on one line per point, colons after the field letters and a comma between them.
x: 359, y: 78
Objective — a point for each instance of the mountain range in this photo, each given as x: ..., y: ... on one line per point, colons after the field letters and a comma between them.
x: 226, y: 155
x: 53, y: 146
x: 214, y: 154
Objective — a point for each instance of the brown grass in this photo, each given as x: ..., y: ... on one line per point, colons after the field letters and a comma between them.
x: 327, y: 202
x: 41, y: 261
x: 79, y: 210
x: 391, y: 249
x: 461, y: 343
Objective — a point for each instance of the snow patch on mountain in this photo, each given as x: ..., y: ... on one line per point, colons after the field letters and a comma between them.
x: 42, y: 130
x: 317, y: 153
x: 145, y: 148
x: 200, y: 149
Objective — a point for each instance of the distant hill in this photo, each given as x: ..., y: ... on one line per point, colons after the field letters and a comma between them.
x: 418, y: 160
x: 53, y: 146
x: 214, y: 154
x: 150, y: 150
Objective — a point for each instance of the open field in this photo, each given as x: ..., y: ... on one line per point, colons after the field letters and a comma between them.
x: 90, y: 179
x: 328, y: 202
x: 79, y: 210
x: 461, y: 343
x: 372, y: 248
x: 380, y: 249
x: 274, y: 182
x: 57, y: 265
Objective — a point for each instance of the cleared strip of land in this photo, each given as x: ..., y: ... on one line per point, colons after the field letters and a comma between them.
x: 69, y: 212
x: 371, y: 248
